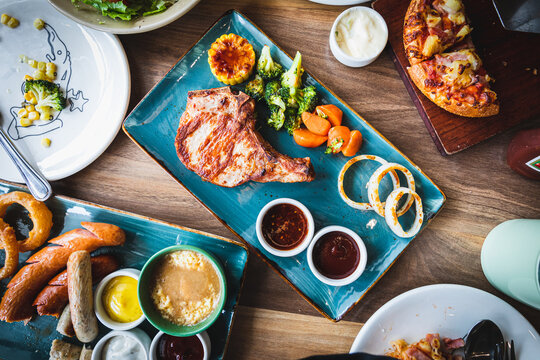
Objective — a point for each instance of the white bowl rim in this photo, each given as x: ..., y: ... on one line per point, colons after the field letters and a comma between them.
x: 300, y: 247
x: 98, y: 305
x: 140, y: 336
x: 334, y: 45
x: 359, y: 269
x: 203, y: 337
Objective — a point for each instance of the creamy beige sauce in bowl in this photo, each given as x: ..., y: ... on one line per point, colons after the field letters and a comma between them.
x: 186, y: 287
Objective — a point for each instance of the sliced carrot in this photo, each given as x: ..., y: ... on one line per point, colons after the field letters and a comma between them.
x: 333, y: 113
x: 306, y: 138
x: 338, y: 137
x: 316, y: 124
x: 354, y: 144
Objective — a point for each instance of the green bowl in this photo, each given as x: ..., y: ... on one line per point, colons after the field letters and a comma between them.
x: 152, y: 313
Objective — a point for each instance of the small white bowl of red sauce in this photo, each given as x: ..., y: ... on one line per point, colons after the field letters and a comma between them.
x: 169, y: 347
x: 337, y: 256
x: 285, y: 227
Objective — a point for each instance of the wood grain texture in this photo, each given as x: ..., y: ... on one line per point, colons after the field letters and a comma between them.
x: 509, y: 57
x: 482, y: 191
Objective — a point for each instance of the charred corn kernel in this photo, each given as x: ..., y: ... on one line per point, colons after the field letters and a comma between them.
x: 13, y: 23
x: 22, y: 113
x: 39, y: 24
x: 26, y: 122
x: 51, y: 75
x: 33, y: 63
x: 231, y: 59
x: 30, y: 108
x: 39, y: 74
x: 46, y: 142
x: 28, y: 77
x: 41, y: 66
x: 5, y: 18
x: 34, y: 115
x: 50, y: 66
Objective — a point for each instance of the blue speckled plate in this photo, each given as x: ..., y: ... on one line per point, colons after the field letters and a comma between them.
x: 144, y: 237
x: 153, y: 123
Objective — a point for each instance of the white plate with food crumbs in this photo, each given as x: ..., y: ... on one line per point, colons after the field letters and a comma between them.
x: 448, y: 310
x: 65, y: 89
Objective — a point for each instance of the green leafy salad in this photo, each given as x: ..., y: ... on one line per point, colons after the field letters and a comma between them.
x: 127, y: 9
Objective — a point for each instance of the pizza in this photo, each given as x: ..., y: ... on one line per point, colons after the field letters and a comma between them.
x: 432, y: 26
x: 457, y: 82
x: 444, y: 63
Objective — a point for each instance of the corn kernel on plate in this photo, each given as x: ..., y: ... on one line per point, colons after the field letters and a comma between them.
x: 65, y: 89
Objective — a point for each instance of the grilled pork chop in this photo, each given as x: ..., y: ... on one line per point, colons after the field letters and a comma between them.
x: 217, y: 140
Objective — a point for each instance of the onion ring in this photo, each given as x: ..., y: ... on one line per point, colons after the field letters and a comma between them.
x: 40, y: 215
x: 9, y: 243
x: 373, y: 187
x: 392, y: 218
x: 341, y: 176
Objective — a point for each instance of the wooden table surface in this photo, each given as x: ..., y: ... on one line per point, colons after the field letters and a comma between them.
x: 273, y: 321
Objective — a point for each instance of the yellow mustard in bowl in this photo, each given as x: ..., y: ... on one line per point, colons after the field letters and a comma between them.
x: 120, y: 299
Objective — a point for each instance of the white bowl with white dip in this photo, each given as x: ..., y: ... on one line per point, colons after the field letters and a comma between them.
x: 131, y: 344
x: 358, y: 36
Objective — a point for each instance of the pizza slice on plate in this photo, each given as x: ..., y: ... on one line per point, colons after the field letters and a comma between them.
x: 431, y: 26
x: 457, y: 82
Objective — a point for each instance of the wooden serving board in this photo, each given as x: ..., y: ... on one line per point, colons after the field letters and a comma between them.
x: 510, y: 57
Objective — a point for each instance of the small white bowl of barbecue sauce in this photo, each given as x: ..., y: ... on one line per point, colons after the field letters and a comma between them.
x: 285, y: 227
x: 337, y: 256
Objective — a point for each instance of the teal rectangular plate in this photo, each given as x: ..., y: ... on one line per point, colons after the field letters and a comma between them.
x: 144, y: 237
x: 153, y: 124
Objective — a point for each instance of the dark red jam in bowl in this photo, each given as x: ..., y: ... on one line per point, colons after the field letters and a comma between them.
x: 284, y: 226
x: 336, y: 255
x: 179, y: 348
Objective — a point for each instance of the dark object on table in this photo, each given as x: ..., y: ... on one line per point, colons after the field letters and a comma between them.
x: 507, y: 56
x: 523, y: 154
x: 353, y: 356
x: 520, y: 15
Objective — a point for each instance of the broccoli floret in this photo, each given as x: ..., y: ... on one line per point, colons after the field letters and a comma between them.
x: 307, y: 99
x: 292, y: 78
x: 255, y: 88
x: 272, y: 95
x: 47, y: 93
x: 267, y: 68
x: 277, y: 117
x: 292, y: 120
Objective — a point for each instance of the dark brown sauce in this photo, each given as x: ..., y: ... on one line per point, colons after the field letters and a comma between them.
x: 179, y: 348
x: 284, y: 226
x: 336, y: 255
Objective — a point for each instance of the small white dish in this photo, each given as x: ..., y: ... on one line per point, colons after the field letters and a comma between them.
x: 100, y: 311
x: 137, y: 334
x: 203, y: 337
x: 347, y: 59
x: 300, y: 247
x: 448, y: 309
x: 93, y: 73
x: 361, y: 264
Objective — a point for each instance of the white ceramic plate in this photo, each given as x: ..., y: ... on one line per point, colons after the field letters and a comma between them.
x: 92, y: 71
x: 447, y: 309
x: 89, y: 16
x: 339, y: 2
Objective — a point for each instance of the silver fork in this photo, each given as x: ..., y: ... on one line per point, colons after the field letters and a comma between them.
x: 509, y: 351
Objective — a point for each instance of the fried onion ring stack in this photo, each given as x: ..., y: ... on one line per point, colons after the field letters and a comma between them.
x: 387, y: 209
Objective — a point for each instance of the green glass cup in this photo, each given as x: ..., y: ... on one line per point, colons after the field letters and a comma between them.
x: 511, y: 259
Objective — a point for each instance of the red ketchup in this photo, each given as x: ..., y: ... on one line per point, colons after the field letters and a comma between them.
x: 336, y: 255
x: 179, y: 348
x: 523, y: 154
x: 284, y: 226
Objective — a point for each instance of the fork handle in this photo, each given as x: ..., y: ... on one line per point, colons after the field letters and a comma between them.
x: 37, y: 184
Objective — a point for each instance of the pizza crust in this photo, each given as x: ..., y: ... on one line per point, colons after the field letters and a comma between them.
x: 418, y: 75
x: 413, y: 28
